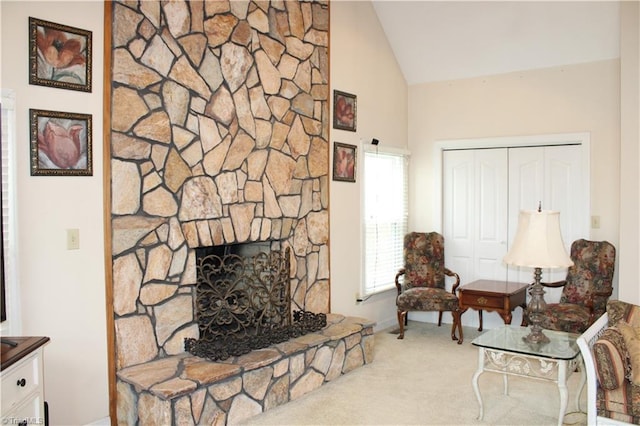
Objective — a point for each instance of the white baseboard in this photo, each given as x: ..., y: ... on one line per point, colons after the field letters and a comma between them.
x: 392, y: 322
x: 106, y: 421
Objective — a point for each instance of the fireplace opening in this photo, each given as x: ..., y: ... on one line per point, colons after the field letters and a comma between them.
x: 243, y: 301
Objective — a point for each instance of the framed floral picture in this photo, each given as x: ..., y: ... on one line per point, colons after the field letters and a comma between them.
x: 344, y: 111
x: 60, y: 143
x: 344, y: 162
x: 59, y: 56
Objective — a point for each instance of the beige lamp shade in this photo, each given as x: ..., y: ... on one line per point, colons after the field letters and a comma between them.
x: 538, y: 241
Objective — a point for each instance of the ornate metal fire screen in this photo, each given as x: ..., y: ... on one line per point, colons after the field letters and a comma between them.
x: 244, y: 303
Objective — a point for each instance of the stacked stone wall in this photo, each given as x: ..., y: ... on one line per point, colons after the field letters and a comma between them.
x: 219, y: 135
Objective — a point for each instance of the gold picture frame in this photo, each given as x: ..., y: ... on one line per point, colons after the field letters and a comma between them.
x: 344, y: 162
x: 59, y: 56
x: 345, y: 112
x: 60, y: 143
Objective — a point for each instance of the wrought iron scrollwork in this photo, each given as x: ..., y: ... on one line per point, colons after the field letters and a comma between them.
x: 236, y: 345
x: 244, y: 303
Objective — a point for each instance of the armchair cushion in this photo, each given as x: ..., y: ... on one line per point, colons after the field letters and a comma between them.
x: 427, y: 299
x: 631, y: 337
x: 568, y: 317
x: 424, y: 260
x: 590, y: 278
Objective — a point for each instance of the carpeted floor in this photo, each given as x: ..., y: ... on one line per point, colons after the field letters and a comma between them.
x: 425, y: 379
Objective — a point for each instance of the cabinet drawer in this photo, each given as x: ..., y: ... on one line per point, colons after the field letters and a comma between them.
x: 28, y: 413
x: 20, y: 380
x: 482, y: 301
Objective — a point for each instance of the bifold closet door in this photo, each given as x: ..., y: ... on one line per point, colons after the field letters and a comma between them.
x: 484, y: 191
x: 552, y: 176
x: 475, y: 212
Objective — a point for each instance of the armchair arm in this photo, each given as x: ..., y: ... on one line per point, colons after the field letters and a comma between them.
x: 590, y: 302
x: 610, y: 358
x: 450, y: 273
x: 589, y: 298
x: 555, y: 284
x: 400, y: 273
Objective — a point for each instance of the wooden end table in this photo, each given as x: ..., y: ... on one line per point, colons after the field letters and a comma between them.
x: 492, y: 295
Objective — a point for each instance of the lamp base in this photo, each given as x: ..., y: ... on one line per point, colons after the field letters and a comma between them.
x: 535, y: 310
x: 536, y: 337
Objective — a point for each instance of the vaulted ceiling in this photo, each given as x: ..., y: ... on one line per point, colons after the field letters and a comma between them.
x: 447, y: 40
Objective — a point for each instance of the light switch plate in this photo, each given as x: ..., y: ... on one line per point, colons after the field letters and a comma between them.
x: 73, y: 239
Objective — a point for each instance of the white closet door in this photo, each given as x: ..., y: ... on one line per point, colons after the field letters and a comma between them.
x: 526, y: 190
x: 566, y: 191
x: 553, y: 176
x: 458, y: 174
x: 475, y: 209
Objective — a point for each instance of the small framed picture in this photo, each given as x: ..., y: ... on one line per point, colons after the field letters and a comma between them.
x: 59, y: 56
x: 60, y: 143
x: 344, y: 111
x: 344, y: 162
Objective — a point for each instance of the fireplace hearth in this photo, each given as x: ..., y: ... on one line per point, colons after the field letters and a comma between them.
x: 243, y: 302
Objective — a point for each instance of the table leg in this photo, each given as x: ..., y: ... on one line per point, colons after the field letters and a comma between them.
x: 506, y: 317
x: 562, y: 388
x: 505, y: 382
x: 480, y: 317
x: 583, y: 380
x: 474, y: 381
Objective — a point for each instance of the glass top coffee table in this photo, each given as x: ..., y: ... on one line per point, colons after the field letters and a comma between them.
x: 502, y: 350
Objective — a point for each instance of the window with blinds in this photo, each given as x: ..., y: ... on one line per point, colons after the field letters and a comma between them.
x: 3, y: 295
x: 385, y: 217
x: 9, y: 290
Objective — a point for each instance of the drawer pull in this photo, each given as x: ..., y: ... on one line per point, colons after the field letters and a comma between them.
x: 482, y: 301
x: 21, y: 382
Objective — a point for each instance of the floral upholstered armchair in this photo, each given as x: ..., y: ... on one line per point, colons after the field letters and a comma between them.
x: 421, y: 282
x: 587, y: 287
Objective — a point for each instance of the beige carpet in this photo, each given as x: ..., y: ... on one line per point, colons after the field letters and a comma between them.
x: 425, y: 379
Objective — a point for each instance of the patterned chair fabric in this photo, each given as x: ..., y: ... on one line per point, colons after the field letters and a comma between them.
x: 587, y: 288
x: 421, y: 282
x: 616, y: 397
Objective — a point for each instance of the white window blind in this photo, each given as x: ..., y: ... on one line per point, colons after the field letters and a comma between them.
x: 12, y: 323
x: 385, y: 217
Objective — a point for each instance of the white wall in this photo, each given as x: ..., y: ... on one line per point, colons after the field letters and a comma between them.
x: 362, y: 64
x: 630, y: 152
x: 62, y: 291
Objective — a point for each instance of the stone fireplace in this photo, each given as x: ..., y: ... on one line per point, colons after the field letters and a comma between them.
x: 219, y: 135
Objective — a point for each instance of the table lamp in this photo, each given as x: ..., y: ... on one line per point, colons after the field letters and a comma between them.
x: 538, y: 244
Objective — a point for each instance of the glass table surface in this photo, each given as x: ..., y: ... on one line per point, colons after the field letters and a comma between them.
x: 561, y: 345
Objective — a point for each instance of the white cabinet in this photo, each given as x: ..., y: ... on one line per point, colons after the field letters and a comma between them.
x: 22, y: 381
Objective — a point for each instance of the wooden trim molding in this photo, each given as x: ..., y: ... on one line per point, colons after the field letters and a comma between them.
x: 106, y: 182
